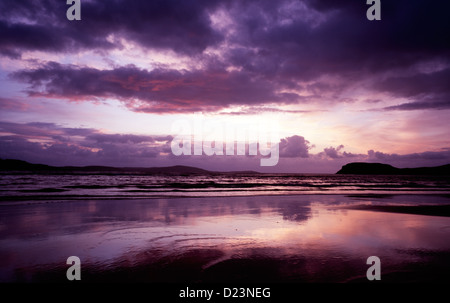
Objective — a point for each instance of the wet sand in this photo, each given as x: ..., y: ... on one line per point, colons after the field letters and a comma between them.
x: 264, y: 239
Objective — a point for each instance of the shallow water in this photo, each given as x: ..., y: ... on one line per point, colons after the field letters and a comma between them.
x: 306, y: 238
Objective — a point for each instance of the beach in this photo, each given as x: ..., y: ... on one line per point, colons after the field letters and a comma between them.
x: 306, y: 238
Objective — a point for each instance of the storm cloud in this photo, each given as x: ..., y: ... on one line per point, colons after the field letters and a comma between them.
x: 152, y: 91
x: 182, y: 26
x: 263, y: 52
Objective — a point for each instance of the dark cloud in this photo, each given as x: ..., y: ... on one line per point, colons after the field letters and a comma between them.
x: 15, y: 147
x: 340, y: 39
x: 78, y: 131
x: 158, y: 90
x: 426, y: 103
x: 23, y: 36
x: 331, y: 5
x: 182, y: 26
x: 425, y: 90
x: 320, y: 47
x: 29, y: 129
x: 119, y: 138
x: 418, y: 84
x: 265, y: 54
x: 64, y: 146
x: 419, y: 159
x: 334, y: 39
x: 295, y: 146
x: 42, y: 129
x: 428, y: 155
x: 427, y: 158
x: 43, y: 26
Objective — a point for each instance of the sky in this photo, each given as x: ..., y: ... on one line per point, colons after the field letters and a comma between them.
x: 324, y: 83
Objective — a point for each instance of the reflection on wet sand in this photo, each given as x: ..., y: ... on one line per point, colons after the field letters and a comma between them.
x: 249, y: 239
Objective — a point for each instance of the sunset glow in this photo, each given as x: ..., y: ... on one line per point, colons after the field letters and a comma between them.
x: 106, y: 90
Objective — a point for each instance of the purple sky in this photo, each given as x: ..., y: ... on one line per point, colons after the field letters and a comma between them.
x: 107, y: 90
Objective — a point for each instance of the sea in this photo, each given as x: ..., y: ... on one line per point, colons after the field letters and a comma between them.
x: 224, y: 228
x: 24, y: 186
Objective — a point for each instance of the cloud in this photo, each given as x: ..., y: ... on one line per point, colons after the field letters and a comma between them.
x: 28, y: 129
x: 427, y: 158
x: 256, y: 110
x: 338, y: 49
x: 428, y: 155
x: 426, y: 103
x: 159, y: 90
x: 332, y: 152
x: 9, y: 104
x: 246, y: 52
x: 42, y: 129
x: 54, y: 144
x: 231, y: 57
x: 180, y: 26
x: 417, y: 84
x: 343, y: 41
x: 335, y: 153
x: 425, y: 90
x: 294, y: 146
x: 50, y: 143
x: 120, y: 138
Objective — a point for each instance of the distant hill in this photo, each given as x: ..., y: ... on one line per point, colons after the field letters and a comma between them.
x: 363, y: 168
x: 23, y: 166
x: 10, y: 164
